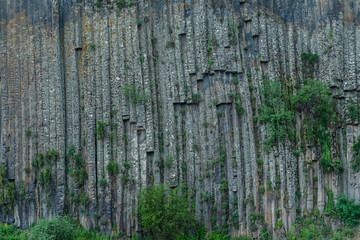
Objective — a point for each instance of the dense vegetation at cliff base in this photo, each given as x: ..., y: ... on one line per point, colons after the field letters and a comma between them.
x: 165, y: 214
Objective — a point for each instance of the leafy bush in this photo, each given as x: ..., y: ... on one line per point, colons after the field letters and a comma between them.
x: 10, y: 232
x: 348, y: 211
x: 165, y: 214
x: 134, y: 94
x: 112, y: 167
x: 328, y: 163
x: 356, y: 148
x: 52, y: 155
x: 100, y: 130
x: 57, y: 228
x: 276, y: 112
x: 10, y: 195
x: 309, y: 57
x: 314, y: 99
x: 353, y: 112
x: 2, y: 179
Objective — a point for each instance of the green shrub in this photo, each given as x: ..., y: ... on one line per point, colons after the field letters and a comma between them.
x: 195, y: 97
x: 112, y: 167
x: 10, y: 195
x: 38, y: 162
x: 127, y: 165
x: 100, y: 130
x: 259, y: 161
x: 2, y: 180
x: 217, y: 235
x: 51, y: 155
x: 57, y: 228
x: 347, y: 210
x: 328, y: 163
x: 134, y: 94
x: 356, y: 164
x: 314, y: 99
x: 28, y: 132
x: 165, y: 214
x: 279, y: 224
x: 10, y: 232
x: 276, y: 112
x: 353, y: 112
x: 238, y: 104
x: 329, y: 206
x: 168, y: 161
x: 235, y: 80
x: 309, y: 57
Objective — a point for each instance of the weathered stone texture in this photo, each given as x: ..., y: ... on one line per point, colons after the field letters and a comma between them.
x: 64, y: 65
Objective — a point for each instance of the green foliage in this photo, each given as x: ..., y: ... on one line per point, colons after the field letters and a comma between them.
x: 276, y: 112
x: 51, y: 155
x: 329, y: 206
x: 217, y: 235
x: 262, y: 190
x: 112, y: 167
x: 314, y: 99
x: 347, y: 210
x: 238, y: 104
x: 39, y: 161
x: 127, y: 165
x: 312, y: 226
x: 2, y: 180
x: 102, y: 182
x: 356, y: 148
x: 224, y: 186
x: 168, y: 161
x: 100, y: 130
x: 165, y: 214
x: 78, y: 171
x: 309, y: 57
x: 10, y: 232
x: 353, y: 112
x: 134, y: 94
x: 210, y: 61
x: 279, y: 224
x: 28, y: 132
x: 84, y: 199
x: 97, y: 3
x: 56, y: 228
x: 328, y: 163
x: 195, y: 97
x: 50, y: 229
x: 91, y: 46
x: 124, y: 3
x: 44, y: 176
x: 235, y: 80
x: 10, y: 195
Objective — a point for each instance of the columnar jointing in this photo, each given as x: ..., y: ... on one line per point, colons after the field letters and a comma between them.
x: 171, y: 92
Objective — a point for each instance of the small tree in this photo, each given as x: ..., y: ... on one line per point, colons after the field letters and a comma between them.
x: 57, y: 228
x: 165, y: 214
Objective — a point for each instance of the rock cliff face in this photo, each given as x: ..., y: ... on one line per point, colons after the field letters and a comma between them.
x: 170, y: 92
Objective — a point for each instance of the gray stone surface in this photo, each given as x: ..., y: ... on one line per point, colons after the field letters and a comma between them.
x: 64, y: 65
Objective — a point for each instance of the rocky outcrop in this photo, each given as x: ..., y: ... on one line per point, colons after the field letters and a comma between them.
x: 150, y: 86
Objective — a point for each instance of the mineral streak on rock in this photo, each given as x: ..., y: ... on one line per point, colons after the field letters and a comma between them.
x: 159, y: 75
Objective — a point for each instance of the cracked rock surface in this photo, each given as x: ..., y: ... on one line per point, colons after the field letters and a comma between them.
x: 159, y: 74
